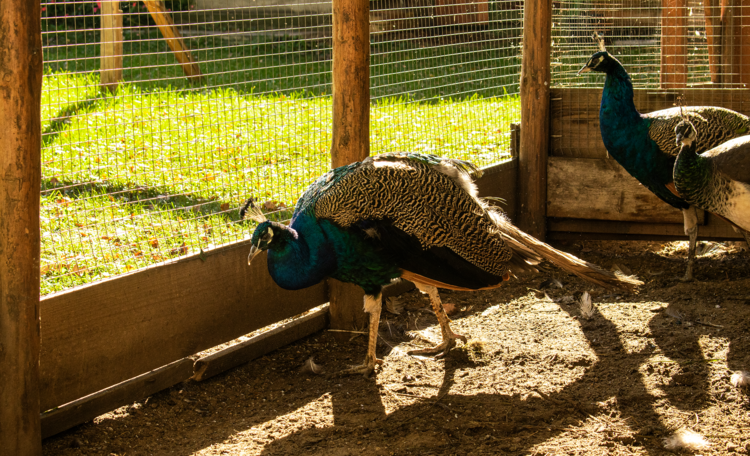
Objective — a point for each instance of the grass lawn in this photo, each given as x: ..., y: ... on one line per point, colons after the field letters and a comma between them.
x: 159, y: 170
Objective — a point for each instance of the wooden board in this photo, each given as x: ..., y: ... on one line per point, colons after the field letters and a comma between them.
x: 601, y: 189
x: 567, y: 229
x: 574, y: 121
x: 674, y: 20
x: 89, y: 407
x: 259, y: 345
x: 105, y: 333
x: 500, y: 181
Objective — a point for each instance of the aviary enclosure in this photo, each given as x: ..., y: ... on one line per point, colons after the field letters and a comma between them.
x: 158, y: 120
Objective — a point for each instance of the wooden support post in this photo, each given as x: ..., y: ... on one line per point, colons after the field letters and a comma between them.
x: 110, y: 67
x: 674, y: 44
x: 744, y: 44
x: 20, y: 175
x: 535, y: 82
x: 351, y: 125
x: 713, y: 35
x: 181, y: 52
x: 729, y: 44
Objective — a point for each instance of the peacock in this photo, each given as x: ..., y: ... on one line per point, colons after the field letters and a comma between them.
x: 717, y: 180
x: 644, y: 143
x: 404, y: 216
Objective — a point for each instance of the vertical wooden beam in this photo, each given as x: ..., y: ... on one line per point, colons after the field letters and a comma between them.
x: 535, y: 87
x: 744, y: 45
x: 351, y: 125
x: 713, y: 35
x: 174, y: 40
x: 20, y: 161
x: 674, y: 44
x: 110, y: 67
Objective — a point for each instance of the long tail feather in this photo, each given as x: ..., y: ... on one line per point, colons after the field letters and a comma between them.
x: 583, y: 269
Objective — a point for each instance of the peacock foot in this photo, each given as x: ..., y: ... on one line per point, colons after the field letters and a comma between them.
x: 442, y: 349
x: 363, y: 369
x: 688, y: 277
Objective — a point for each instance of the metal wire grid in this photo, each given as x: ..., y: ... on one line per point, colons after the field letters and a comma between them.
x: 157, y: 169
x: 633, y: 33
x: 445, y: 77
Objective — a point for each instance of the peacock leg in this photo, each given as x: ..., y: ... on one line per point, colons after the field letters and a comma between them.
x: 372, y: 306
x: 744, y: 233
x: 691, y: 229
x: 449, y: 337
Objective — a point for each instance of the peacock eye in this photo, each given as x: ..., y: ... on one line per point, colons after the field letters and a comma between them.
x: 267, y: 235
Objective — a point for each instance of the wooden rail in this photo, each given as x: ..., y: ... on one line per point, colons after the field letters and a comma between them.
x: 20, y: 175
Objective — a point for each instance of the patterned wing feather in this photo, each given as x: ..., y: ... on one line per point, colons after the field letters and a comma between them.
x: 423, y: 200
x: 714, y: 126
x: 732, y: 159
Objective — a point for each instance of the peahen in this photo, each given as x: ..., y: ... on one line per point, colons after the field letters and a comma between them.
x: 717, y: 180
x: 409, y: 216
x: 644, y: 143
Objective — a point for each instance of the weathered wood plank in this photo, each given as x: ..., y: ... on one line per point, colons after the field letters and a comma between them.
x: 500, y: 181
x: 102, y: 334
x: 89, y: 407
x: 601, y: 189
x: 260, y: 345
x: 574, y: 121
x: 535, y: 110
x: 563, y: 229
x: 20, y: 173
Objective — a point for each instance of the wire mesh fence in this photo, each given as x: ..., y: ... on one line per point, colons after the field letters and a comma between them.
x: 662, y: 44
x: 160, y: 119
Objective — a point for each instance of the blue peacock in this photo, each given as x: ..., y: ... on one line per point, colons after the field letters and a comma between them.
x: 644, y: 143
x: 717, y: 180
x: 403, y: 216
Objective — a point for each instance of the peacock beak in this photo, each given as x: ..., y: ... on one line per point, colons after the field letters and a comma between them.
x: 585, y: 69
x: 254, y: 251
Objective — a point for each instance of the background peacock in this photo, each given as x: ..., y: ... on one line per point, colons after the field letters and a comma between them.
x: 717, y: 180
x: 407, y: 216
x: 644, y: 143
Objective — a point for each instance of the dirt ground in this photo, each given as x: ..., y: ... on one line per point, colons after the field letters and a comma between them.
x: 538, y: 376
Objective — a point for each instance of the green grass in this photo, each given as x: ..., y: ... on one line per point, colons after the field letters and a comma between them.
x: 158, y: 171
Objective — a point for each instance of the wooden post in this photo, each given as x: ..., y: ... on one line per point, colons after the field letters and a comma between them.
x: 110, y: 68
x: 713, y: 35
x: 744, y: 44
x: 20, y: 175
x: 673, y: 44
x: 351, y: 125
x: 174, y: 40
x: 535, y: 82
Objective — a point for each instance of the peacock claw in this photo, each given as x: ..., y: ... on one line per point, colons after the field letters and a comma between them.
x: 440, y: 350
x: 363, y: 369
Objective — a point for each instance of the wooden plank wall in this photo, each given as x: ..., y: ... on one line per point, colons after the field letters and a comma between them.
x: 111, y: 331
x: 589, y: 195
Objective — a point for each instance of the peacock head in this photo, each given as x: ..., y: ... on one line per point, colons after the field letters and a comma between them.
x: 602, y: 62
x: 685, y: 133
x: 268, y: 235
